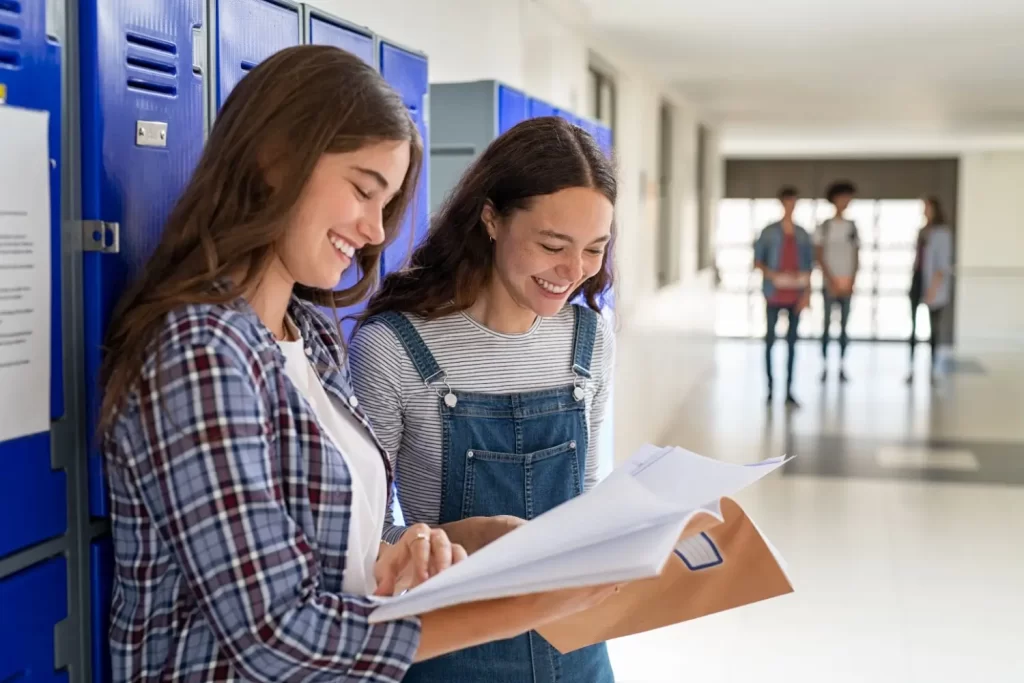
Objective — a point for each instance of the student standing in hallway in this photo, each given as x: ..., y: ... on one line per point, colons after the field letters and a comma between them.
x: 784, y: 255
x: 837, y: 248
x: 931, y: 283
x: 487, y: 389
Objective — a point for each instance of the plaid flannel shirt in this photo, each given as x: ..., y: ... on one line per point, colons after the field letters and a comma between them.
x: 230, y: 514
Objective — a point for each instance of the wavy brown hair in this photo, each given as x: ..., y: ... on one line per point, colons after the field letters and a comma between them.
x: 454, y: 263
x: 293, y: 108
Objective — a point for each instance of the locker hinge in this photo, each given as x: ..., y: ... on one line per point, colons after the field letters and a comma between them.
x: 101, y: 236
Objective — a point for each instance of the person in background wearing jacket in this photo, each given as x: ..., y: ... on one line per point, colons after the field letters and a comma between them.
x: 837, y: 248
x: 931, y: 283
x: 785, y: 256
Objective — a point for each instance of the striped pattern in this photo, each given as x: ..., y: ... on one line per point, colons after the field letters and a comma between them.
x: 230, y: 514
x: 404, y: 412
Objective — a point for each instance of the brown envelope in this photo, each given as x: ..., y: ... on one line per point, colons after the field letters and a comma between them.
x: 746, y: 573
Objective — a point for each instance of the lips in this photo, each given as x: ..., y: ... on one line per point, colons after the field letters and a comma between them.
x: 342, y: 245
x: 551, y: 287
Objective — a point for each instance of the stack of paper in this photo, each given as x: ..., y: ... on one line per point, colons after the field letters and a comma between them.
x: 624, y: 530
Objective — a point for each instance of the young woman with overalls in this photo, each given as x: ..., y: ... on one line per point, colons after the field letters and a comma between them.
x: 486, y: 388
x: 248, y: 489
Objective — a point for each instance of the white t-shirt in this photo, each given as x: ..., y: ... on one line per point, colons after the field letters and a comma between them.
x: 840, y: 242
x: 369, y: 480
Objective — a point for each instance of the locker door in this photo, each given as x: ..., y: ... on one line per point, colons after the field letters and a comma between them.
x: 33, y: 497
x: 101, y: 573
x: 568, y: 116
x: 406, y: 71
x: 249, y: 31
x: 589, y: 126
x: 513, y: 108
x: 604, y: 139
x: 34, y: 601
x: 142, y: 134
x: 540, y: 108
x: 324, y: 30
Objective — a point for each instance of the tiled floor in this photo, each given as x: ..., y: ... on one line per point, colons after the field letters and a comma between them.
x: 902, y: 521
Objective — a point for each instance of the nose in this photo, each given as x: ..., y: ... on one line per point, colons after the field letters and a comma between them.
x: 571, y: 268
x: 371, y: 227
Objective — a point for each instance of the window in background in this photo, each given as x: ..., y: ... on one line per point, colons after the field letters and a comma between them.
x: 603, y: 104
x: 880, y: 309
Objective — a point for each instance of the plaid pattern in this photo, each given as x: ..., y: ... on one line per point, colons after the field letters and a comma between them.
x: 230, y: 514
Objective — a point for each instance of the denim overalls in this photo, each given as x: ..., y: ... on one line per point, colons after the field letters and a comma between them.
x: 510, y: 454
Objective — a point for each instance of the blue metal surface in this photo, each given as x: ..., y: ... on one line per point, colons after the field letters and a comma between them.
x: 323, y: 31
x: 604, y: 139
x: 33, y: 497
x: 407, y: 73
x: 136, y: 66
x: 101, y: 575
x: 568, y: 116
x: 540, y: 108
x: 249, y: 31
x: 589, y: 126
x: 30, y: 66
x: 513, y: 108
x: 32, y: 603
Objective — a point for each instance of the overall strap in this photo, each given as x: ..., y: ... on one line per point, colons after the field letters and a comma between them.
x: 583, y: 340
x: 419, y: 354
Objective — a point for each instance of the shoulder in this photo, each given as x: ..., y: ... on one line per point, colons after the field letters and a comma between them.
x: 373, y: 342
x: 231, y: 332
x: 604, y: 333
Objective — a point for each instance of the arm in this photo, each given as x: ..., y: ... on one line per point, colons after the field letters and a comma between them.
x: 856, y: 257
x: 818, y: 240
x: 599, y: 407
x: 761, y: 256
x: 375, y: 357
x: 942, y: 248
x: 208, y: 481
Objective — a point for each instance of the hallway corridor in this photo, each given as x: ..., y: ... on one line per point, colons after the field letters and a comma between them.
x: 902, y: 521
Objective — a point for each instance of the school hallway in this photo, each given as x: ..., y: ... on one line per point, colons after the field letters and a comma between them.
x: 901, y: 521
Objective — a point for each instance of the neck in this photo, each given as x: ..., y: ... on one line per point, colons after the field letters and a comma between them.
x: 496, y: 310
x: 270, y: 298
x: 787, y: 223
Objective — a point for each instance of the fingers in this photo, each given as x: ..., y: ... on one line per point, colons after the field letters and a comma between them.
x: 440, y: 552
x: 418, y: 540
x: 458, y: 553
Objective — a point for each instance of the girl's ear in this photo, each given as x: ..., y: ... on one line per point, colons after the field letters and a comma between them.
x: 489, y: 217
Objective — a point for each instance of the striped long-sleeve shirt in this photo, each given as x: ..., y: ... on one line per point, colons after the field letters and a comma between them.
x: 404, y: 411
x: 230, y: 514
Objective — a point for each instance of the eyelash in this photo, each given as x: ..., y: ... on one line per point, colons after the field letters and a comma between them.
x: 360, y: 192
x: 558, y: 250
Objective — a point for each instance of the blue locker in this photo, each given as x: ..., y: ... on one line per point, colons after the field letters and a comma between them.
x: 249, y: 31
x: 30, y: 64
x: 406, y: 71
x: 33, y: 602
x: 604, y: 139
x: 142, y: 134
x: 33, y: 497
x: 540, y: 108
x: 589, y: 126
x: 513, y: 108
x: 101, y: 574
x: 326, y: 30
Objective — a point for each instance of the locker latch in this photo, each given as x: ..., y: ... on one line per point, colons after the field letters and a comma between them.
x: 101, y: 237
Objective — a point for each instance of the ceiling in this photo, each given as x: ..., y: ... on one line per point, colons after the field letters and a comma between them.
x: 893, y: 68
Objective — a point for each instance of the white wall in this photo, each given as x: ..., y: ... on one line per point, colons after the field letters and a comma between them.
x: 544, y: 47
x: 990, y: 252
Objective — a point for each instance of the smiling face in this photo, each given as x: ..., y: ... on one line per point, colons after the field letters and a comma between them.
x: 341, y: 211
x: 545, y: 252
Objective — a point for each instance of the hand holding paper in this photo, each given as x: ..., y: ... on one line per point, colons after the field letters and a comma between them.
x: 623, y: 530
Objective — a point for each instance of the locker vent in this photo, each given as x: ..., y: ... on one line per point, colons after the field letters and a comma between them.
x: 10, y: 34
x: 153, y: 66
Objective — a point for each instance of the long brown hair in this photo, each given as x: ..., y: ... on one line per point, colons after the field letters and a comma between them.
x: 452, y: 265
x: 938, y: 215
x: 286, y: 114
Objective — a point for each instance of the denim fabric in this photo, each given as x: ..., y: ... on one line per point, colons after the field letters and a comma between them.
x: 510, y: 454
x: 768, y: 250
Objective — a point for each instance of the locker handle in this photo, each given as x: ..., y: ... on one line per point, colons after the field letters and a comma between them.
x: 198, y: 50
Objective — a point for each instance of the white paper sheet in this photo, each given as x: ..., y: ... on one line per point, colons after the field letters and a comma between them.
x: 622, y: 530
x: 24, y: 273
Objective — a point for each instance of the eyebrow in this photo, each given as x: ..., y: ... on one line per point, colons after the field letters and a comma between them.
x: 377, y: 177
x: 566, y: 238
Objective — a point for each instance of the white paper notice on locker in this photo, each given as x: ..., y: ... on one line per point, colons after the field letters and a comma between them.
x: 623, y: 530
x: 24, y: 272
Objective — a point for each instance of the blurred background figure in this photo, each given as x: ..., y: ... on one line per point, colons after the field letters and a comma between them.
x: 931, y: 283
x: 784, y: 256
x: 837, y: 249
